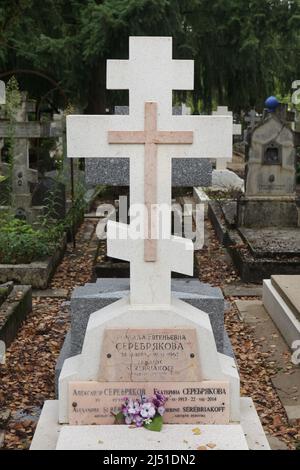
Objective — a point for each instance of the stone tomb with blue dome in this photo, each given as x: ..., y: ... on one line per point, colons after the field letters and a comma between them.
x: 261, y: 228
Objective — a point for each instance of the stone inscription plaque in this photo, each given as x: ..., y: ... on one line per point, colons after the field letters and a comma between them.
x: 146, y: 355
x: 205, y: 402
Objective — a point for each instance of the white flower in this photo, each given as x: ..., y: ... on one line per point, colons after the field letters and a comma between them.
x: 148, y: 410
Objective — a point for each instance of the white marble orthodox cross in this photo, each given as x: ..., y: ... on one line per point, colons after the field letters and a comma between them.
x: 221, y: 163
x: 150, y: 136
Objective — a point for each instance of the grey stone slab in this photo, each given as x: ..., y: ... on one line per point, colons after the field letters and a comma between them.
x: 242, y: 290
x: 276, y: 444
x: 115, y: 171
x: 293, y: 413
x: 270, y: 242
x: 13, y: 312
x: 289, y: 289
x: 229, y: 209
x: 52, y: 293
x: 287, y: 385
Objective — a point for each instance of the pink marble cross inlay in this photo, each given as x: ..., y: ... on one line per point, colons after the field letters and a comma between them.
x: 150, y: 137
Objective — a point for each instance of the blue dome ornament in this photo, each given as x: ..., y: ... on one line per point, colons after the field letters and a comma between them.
x: 272, y: 104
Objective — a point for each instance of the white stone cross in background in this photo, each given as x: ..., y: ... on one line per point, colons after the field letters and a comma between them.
x: 150, y: 136
x: 2, y: 101
x: 221, y: 163
x: 2, y: 93
x: 252, y: 118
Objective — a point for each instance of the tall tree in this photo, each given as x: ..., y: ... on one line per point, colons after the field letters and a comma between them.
x: 243, y: 49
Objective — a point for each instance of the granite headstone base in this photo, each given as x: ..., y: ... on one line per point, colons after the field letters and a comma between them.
x: 92, y: 297
x: 115, y: 172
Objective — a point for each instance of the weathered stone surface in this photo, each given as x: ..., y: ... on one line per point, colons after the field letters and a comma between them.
x: 226, y: 179
x: 269, y: 212
x: 288, y: 389
x: 5, y: 290
x: 242, y: 290
x: 271, y: 161
x: 52, y: 293
x: 13, y: 312
x: 289, y: 289
x: 270, y: 197
x: 276, y: 444
x: 36, y: 274
x: 265, y: 258
x: 267, y: 242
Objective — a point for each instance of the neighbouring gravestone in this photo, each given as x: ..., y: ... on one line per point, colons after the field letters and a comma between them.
x: 281, y: 298
x: 149, y: 335
x: 50, y: 189
x: 221, y: 163
x: 261, y: 228
x: 270, y: 192
x: 252, y: 119
x: 2, y: 93
x: 23, y: 177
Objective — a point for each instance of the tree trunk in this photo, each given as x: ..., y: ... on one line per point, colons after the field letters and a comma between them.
x: 97, y: 90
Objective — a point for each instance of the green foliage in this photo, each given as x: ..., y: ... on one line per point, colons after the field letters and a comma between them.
x: 156, y: 424
x: 12, y: 105
x: 13, y: 99
x: 22, y: 243
x: 243, y: 50
x: 119, y: 418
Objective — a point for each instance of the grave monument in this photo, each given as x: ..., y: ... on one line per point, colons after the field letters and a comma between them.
x: 24, y: 178
x: 2, y: 92
x: 149, y: 339
x: 261, y: 228
x: 221, y: 163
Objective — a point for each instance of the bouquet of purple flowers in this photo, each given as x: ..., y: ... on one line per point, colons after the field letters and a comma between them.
x: 144, y: 411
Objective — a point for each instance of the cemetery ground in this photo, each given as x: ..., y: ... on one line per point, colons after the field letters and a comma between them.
x: 28, y: 377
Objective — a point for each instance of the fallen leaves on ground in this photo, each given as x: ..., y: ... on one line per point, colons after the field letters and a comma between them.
x: 255, y: 370
x: 28, y: 377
